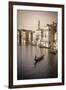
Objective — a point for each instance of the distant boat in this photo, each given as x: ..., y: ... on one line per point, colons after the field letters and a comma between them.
x: 39, y: 58
x: 53, y: 51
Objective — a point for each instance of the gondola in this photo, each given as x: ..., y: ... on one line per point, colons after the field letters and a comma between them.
x: 38, y: 58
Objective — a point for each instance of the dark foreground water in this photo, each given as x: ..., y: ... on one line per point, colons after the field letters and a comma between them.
x: 27, y: 68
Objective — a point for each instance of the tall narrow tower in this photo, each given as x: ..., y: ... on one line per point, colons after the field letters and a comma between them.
x: 38, y: 24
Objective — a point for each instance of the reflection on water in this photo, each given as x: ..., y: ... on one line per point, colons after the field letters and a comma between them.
x: 27, y: 68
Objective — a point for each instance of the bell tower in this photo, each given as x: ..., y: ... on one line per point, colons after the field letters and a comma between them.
x: 38, y: 24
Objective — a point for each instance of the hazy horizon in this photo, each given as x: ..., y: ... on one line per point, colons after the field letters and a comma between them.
x: 29, y: 19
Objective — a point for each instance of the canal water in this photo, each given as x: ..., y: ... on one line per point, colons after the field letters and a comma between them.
x: 27, y: 68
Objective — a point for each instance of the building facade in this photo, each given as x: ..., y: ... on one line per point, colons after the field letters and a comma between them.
x: 46, y: 37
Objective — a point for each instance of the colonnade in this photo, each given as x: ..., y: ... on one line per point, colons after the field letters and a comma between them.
x: 24, y: 35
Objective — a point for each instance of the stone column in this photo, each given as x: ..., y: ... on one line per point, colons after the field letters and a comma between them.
x: 31, y: 36
x: 27, y: 38
x: 19, y: 37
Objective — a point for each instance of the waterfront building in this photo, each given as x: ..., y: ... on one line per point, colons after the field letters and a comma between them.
x: 42, y: 37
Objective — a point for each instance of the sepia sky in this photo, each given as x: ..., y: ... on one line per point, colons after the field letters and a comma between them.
x: 29, y: 19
